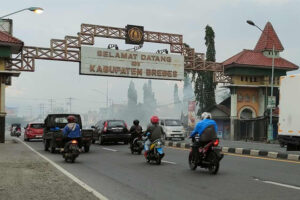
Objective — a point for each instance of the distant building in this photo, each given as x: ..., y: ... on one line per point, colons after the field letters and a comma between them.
x: 250, y: 71
x: 221, y: 114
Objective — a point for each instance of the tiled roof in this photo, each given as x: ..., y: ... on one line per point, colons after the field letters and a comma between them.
x: 267, y: 39
x: 6, y: 38
x: 257, y: 59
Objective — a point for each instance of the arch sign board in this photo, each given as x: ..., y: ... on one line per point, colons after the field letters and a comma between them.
x: 131, y: 64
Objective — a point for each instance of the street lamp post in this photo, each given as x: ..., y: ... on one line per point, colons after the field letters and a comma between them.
x: 270, y: 127
x: 37, y: 10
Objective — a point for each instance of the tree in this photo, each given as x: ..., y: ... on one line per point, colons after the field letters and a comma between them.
x: 209, y: 85
x: 149, y: 104
x: 149, y: 97
x: 204, y: 86
x: 132, y: 95
x: 175, y: 95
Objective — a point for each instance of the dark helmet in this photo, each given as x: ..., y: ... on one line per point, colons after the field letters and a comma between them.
x: 136, y: 122
x: 154, y: 119
x: 71, y: 119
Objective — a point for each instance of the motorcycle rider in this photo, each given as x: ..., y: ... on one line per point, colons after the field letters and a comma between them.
x: 71, y: 131
x: 135, y: 131
x: 154, y: 131
x: 205, y: 127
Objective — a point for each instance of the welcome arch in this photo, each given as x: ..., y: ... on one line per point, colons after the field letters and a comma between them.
x: 69, y: 49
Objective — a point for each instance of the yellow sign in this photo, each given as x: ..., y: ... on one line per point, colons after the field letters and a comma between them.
x: 135, y: 34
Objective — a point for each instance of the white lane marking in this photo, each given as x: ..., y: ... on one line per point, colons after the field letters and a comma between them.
x: 68, y: 174
x: 164, y: 161
x: 108, y: 149
x: 279, y: 184
x: 283, y: 185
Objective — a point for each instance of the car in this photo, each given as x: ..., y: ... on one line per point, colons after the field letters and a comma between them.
x: 112, y: 131
x: 173, y: 128
x: 33, y: 131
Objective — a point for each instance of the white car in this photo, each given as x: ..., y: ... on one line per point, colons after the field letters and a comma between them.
x: 173, y: 128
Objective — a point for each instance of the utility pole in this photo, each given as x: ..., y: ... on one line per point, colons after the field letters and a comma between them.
x: 70, y: 103
x: 42, y: 109
x: 51, y: 104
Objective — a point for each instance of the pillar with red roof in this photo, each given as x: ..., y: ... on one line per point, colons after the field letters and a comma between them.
x: 8, y: 45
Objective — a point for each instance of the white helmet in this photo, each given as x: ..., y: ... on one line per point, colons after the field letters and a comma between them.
x: 206, y: 115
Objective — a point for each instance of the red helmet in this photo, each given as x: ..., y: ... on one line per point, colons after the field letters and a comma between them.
x: 71, y: 119
x: 154, y: 119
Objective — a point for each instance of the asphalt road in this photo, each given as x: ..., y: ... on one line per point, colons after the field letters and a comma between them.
x: 114, y: 172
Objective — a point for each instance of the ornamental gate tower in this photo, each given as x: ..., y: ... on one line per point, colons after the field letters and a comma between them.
x: 250, y: 72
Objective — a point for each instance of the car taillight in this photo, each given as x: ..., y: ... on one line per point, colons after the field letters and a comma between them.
x: 216, y: 142
x: 105, y: 127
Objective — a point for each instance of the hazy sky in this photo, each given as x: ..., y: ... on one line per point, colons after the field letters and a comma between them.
x: 61, y: 80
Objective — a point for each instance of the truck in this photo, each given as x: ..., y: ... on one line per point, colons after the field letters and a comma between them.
x: 289, y: 112
x: 53, y: 136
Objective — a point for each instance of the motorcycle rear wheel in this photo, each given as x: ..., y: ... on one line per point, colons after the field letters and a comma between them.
x: 214, y: 167
x: 192, y: 163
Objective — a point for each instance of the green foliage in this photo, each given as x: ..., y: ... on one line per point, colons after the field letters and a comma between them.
x: 132, y: 95
x: 210, y: 44
x: 175, y: 94
x: 204, y: 86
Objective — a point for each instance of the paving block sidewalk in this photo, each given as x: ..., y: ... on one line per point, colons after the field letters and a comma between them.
x: 247, y: 148
x: 25, y: 175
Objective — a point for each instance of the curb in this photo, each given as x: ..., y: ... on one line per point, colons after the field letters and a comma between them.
x: 242, y: 151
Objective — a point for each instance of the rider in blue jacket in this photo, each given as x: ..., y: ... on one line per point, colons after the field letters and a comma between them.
x: 72, y: 131
x: 205, y: 122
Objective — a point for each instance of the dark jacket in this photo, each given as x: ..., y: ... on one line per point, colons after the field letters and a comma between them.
x: 156, y: 131
x: 135, y: 130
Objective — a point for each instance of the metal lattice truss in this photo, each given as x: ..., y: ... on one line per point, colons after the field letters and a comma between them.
x: 69, y: 50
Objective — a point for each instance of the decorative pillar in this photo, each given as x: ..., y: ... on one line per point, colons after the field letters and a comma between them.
x: 233, y: 113
x: 261, y: 102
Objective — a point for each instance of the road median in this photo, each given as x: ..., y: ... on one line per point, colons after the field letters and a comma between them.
x: 242, y: 151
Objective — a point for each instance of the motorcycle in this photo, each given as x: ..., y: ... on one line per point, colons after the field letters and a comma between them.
x: 156, y: 152
x: 207, y: 157
x: 71, y: 151
x: 18, y: 133
x: 137, y: 145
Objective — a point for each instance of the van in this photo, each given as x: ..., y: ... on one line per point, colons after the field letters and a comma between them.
x: 173, y: 128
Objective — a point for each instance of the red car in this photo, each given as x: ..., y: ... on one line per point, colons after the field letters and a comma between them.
x: 33, y: 131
